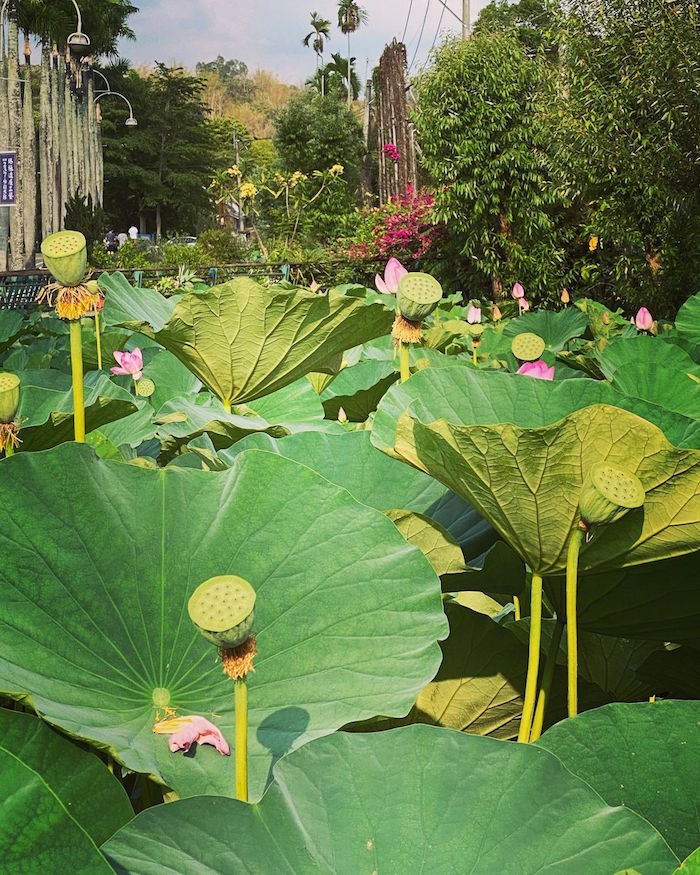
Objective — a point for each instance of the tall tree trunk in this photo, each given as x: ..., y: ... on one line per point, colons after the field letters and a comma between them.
x: 14, y: 93
x: 159, y: 222
x: 29, y: 152
x: 63, y: 152
x: 4, y: 138
x: 92, y: 144
x: 46, y: 178
x: 349, y: 75
x: 55, y: 155
x: 100, y: 156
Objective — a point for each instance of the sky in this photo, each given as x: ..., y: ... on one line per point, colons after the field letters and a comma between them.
x: 269, y: 33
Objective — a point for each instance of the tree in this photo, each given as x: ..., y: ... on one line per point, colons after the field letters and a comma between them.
x: 232, y: 74
x: 320, y: 32
x: 534, y: 23
x: 485, y: 128
x: 350, y: 17
x: 332, y: 79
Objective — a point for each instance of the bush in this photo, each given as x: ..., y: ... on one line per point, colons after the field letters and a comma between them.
x: 222, y: 247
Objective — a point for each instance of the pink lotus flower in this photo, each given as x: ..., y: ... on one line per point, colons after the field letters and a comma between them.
x: 539, y: 370
x: 518, y: 291
x: 130, y: 364
x: 524, y: 305
x: 643, y: 320
x: 394, y: 272
x: 497, y: 315
x: 565, y: 296
x: 185, y: 731
x: 474, y: 315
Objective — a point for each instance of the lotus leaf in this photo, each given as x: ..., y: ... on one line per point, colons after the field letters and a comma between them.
x: 347, y: 616
x: 556, y: 329
x: 379, y: 803
x: 244, y: 341
x: 643, y: 756
x: 518, y: 450
x: 690, y: 866
x: 439, y: 547
x: 59, y: 802
x: 359, y: 389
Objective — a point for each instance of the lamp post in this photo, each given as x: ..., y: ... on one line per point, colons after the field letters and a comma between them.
x: 79, y: 42
x: 131, y: 122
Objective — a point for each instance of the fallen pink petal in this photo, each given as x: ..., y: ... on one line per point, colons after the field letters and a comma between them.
x: 185, y: 731
x: 540, y: 370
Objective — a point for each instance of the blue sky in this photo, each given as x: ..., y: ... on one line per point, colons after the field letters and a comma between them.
x: 268, y: 33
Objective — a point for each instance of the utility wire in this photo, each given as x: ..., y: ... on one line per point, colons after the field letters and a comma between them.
x: 420, y: 37
x: 451, y: 11
x: 437, y: 32
x: 408, y: 18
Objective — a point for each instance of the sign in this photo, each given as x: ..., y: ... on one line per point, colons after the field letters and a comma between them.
x: 8, y: 179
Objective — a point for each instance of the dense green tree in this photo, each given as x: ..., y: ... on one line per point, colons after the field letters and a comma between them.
x: 233, y: 74
x: 532, y: 22
x: 485, y: 133
x: 104, y: 21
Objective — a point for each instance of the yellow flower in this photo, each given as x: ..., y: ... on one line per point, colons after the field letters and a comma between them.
x: 337, y: 170
x: 248, y: 190
x: 593, y: 243
x: 234, y: 170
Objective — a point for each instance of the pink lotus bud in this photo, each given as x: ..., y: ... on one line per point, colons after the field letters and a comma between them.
x: 474, y: 315
x: 524, y: 305
x: 497, y: 315
x: 518, y: 291
x: 539, y: 370
x: 394, y: 272
x: 643, y: 320
x: 565, y: 297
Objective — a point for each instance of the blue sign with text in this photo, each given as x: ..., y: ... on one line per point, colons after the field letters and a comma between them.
x: 8, y: 179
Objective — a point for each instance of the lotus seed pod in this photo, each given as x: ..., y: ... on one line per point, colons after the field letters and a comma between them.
x: 476, y: 331
x: 527, y: 347
x: 65, y: 255
x: 417, y: 296
x: 608, y: 493
x: 145, y: 388
x: 9, y: 396
x: 223, y: 609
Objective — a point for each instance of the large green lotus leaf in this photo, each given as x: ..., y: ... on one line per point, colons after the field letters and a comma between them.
x: 498, y: 570
x: 126, y: 305
x: 350, y: 461
x: 171, y: 378
x: 134, y: 429
x: 688, y: 326
x: 519, y: 459
x: 53, y: 766
x: 655, y: 602
x: 413, y: 799
x: 46, y: 406
x: 296, y: 404
x: 11, y: 326
x: 439, y: 547
x: 643, y: 756
x: 673, y: 671
x: 244, y: 341
x: 347, y: 617
x: 690, y: 866
x: 555, y: 328
x: 359, y: 389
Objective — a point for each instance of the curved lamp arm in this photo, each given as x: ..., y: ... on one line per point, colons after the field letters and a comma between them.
x: 126, y: 99
x: 80, y: 17
x: 109, y: 87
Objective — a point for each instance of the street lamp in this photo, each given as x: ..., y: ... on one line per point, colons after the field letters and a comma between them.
x: 99, y: 73
x: 79, y: 42
x: 131, y: 121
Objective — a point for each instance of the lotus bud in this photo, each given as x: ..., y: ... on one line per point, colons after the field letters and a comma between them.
x: 524, y: 305
x: 417, y: 296
x: 497, y: 315
x: 527, y: 347
x: 565, y: 297
x: 9, y: 396
x: 65, y: 255
x: 474, y: 315
x: 518, y: 291
x: 342, y: 416
x: 223, y: 610
x: 608, y: 493
x: 643, y: 320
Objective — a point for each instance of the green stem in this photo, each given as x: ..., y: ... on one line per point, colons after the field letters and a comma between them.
x: 516, y: 605
x: 241, y: 738
x: 533, y: 660
x: 98, y: 340
x: 9, y: 451
x: 547, y: 677
x: 404, y: 360
x: 76, y: 360
x: 571, y: 626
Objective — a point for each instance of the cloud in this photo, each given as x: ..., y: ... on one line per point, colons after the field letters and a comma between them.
x: 269, y: 33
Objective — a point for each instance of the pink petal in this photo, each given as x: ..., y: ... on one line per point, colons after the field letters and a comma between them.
x: 474, y: 315
x: 199, y: 730
x: 381, y: 285
x: 539, y: 370
x: 394, y: 272
x: 524, y: 305
x: 643, y: 319
x: 120, y: 372
x: 137, y: 357
x: 118, y: 356
x: 518, y: 291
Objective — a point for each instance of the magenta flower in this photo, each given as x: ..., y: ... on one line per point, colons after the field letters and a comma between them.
x: 643, y: 320
x: 518, y: 291
x: 539, y: 370
x: 474, y: 315
x: 185, y: 731
x: 130, y: 364
x: 390, y: 150
x: 394, y: 272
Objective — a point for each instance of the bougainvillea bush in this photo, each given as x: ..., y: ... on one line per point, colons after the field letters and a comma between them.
x: 348, y: 580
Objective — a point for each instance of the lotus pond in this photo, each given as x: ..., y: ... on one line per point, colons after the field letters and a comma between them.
x: 361, y: 581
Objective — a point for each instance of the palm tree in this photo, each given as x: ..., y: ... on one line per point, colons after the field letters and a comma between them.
x: 337, y: 73
x: 350, y: 17
x: 321, y: 31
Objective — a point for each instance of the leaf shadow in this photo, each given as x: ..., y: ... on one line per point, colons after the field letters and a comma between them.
x: 279, y: 730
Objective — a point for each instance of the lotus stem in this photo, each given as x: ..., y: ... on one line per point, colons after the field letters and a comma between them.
x: 572, y: 555
x: 516, y: 605
x: 98, y: 340
x: 404, y: 360
x: 76, y: 360
x: 9, y: 451
x: 533, y: 660
x: 474, y: 356
x: 547, y: 677
x: 241, y: 738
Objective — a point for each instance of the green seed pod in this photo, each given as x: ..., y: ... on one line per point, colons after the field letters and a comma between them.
x: 222, y: 608
x: 145, y: 388
x: 93, y: 287
x: 608, y: 493
x: 527, y: 347
x: 417, y: 296
x: 65, y: 255
x: 9, y: 396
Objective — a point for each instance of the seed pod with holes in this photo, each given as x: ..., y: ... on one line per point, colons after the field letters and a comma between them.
x: 417, y: 296
x: 65, y: 255
x: 527, y: 347
x: 609, y: 492
x: 9, y: 396
x: 223, y: 610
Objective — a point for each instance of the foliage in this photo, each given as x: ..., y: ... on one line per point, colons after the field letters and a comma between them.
x: 105, y: 22
x: 84, y: 216
x: 233, y: 75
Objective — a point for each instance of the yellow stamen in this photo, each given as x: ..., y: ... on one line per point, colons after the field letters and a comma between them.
x: 406, y: 332
x: 9, y: 436
x: 238, y: 661
x: 72, y: 302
